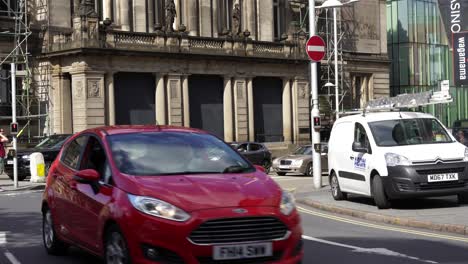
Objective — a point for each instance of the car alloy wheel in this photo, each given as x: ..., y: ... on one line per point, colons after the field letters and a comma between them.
x: 335, y: 188
x: 116, y: 248
x: 48, y: 230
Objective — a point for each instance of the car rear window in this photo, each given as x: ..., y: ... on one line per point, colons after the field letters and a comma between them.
x: 172, y: 153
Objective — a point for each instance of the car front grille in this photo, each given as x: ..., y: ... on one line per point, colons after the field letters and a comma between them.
x: 285, y: 162
x: 235, y: 230
x: 440, y: 185
x: 441, y: 170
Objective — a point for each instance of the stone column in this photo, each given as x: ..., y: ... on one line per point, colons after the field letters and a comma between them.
x: 107, y: 9
x: 150, y: 16
x: 227, y: 109
x: 139, y: 17
x: 248, y: 21
x: 186, y: 101
x: 88, y: 99
x: 287, y: 116
x: 192, y: 18
x: 174, y: 98
x: 124, y: 15
x: 109, y: 78
x: 214, y: 12
x: 301, y: 112
x: 61, y: 103
x: 240, y: 110
x: 250, y: 104
x: 265, y: 20
x: 160, y: 100
x: 117, y: 12
x: 205, y: 18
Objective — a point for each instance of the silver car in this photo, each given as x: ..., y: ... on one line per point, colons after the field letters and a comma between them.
x: 300, y: 161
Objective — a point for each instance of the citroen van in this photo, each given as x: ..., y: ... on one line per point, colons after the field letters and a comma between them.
x: 395, y: 155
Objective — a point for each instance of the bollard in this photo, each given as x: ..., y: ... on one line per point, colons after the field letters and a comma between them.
x: 37, y: 167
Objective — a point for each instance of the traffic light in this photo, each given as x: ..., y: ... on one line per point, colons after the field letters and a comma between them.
x: 14, y: 128
x: 316, y: 120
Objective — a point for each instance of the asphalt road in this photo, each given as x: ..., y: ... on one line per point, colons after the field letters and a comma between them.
x: 328, y: 239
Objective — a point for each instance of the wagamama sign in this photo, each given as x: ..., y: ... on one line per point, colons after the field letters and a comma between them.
x: 455, y: 18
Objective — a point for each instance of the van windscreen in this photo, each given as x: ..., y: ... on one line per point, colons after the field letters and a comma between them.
x: 402, y: 132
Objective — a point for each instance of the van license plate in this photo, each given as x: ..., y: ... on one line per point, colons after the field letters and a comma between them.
x: 442, y: 177
x: 9, y: 162
x: 242, y: 251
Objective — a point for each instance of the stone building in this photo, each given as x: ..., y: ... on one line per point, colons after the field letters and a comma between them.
x: 234, y: 67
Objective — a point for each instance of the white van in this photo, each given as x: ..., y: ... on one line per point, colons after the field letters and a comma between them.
x: 395, y: 155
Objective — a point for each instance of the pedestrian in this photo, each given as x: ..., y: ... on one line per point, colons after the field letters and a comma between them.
x: 3, y: 141
x: 461, y: 137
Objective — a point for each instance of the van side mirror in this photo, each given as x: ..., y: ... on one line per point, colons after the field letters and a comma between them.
x: 358, y: 147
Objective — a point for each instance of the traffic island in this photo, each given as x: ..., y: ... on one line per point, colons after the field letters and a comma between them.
x: 441, y: 214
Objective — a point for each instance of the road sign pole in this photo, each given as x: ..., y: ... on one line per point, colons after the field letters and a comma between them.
x: 316, y: 164
x: 13, y: 114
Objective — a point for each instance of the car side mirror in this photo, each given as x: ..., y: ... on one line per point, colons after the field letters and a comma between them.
x: 259, y: 168
x: 358, y: 147
x: 89, y: 176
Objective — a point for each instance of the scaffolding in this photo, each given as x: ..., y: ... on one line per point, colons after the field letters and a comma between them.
x: 32, y: 99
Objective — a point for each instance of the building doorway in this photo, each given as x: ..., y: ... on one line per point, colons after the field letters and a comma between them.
x: 268, y: 109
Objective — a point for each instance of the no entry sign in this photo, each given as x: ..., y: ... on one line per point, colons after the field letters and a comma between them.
x: 315, y: 48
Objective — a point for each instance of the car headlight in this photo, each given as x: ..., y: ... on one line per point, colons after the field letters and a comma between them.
x: 25, y: 157
x: 466, y: 155
x: 287, y: 203
x: 297, y: 163
x: 393, y: 159
x: 158, y: 208
x: 276, y: 161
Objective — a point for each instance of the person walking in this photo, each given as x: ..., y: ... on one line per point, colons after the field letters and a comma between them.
x: 3, y: 141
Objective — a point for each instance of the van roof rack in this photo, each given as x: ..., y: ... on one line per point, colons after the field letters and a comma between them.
x: 408, y: 101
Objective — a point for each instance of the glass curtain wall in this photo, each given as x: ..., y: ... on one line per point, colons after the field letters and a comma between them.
x: 419, y: 50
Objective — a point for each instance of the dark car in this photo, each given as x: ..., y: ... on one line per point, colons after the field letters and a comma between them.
x: 256, y: 153
x: 49, y: 147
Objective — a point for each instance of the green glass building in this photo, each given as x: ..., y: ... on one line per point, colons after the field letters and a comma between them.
x: 421, y: 57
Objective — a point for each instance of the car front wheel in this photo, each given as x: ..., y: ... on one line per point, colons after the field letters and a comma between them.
x: 337, y: 194
x: 116, y: 247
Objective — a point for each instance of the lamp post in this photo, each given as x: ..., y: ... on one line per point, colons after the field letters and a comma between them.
x: 335, y: 4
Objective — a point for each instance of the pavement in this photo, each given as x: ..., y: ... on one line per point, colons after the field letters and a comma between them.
x: 441, y: 214
x: 7, y: 185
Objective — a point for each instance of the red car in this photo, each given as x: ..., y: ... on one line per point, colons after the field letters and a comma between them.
x: 162, y: 194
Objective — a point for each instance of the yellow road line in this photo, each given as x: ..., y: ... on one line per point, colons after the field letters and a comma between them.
x: 387, y: 228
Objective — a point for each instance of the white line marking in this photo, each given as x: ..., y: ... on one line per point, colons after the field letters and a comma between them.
x: 377, y: 251
x: 11, y: 258
x: 3, y: 239
x: 316, y: 48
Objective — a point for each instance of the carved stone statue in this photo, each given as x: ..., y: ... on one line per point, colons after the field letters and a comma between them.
x: 87, y: 8
x: 171, y: 14
x: 236, y: 20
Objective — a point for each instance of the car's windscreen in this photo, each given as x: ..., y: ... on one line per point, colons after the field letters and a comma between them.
x: 172, y: 153
x: 303, y: 151
x: 408, y: 132
x: 52, y: 142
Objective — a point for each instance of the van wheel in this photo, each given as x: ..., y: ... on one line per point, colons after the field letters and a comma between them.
x: 378, y: 192
x: 116, y: 250
x: 52, y: 244
x: 337, y: 194
x: 463, y: 198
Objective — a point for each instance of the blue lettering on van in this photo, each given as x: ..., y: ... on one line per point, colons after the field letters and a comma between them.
x: 360, y: 163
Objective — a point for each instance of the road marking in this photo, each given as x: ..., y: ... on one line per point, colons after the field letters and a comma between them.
x: 377, y: 251
x: 387, y: 228
x: 11, y: 258
x: 3, y: 239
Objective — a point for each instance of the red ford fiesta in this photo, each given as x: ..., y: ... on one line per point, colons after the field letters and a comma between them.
x: 161, y: 194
